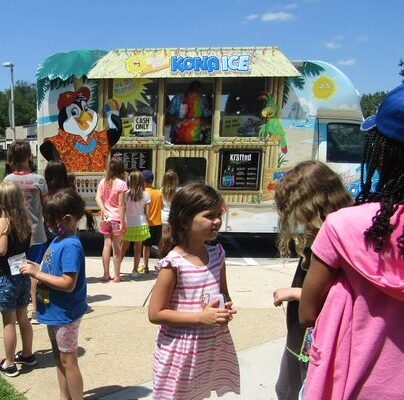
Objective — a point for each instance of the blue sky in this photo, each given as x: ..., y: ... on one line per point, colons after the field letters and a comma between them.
x: 365, y: 38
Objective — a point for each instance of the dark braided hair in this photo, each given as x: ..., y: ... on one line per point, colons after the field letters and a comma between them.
x: 387, y: 157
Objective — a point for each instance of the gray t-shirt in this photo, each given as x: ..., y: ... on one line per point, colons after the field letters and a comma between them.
x: 34, y: 188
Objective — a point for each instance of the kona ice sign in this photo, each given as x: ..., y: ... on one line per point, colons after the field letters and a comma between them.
x: 210, y: 64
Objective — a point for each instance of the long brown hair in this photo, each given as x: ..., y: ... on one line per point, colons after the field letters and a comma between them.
x: 169, y: 185
x: 115, y: 169
x: 136, y: 186
x: 12, y: 206
x: 187, y: 202
x: 305, y: 196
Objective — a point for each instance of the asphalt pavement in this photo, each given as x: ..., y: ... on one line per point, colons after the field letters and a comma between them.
x: 116, y: 339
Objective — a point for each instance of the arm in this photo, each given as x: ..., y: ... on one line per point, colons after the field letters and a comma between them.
x: 65, y: 283
x: 316, y: 285
x: 223, y: 282
x: 147, y: 211
x: 286, y: 294
x: 159, y: 312
x: 98, y: 199
x: 122, y: 209
x: 4, y: 226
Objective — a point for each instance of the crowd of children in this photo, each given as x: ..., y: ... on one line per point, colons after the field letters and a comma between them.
x: 347, y: 290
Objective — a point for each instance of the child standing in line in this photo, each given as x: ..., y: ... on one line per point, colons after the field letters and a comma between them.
x: 155, y: 222
x: 63, y: 291
x: 137, y: 211
x: 195, y: 354
x: 111, y: 200
x: 15, y: 235
x: 168, y: 189
x: 304, y: 197
x: 34, y: 187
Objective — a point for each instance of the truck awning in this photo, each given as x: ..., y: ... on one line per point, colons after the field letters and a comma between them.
x: 193, y: 63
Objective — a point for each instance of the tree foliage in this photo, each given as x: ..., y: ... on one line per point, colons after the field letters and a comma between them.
x: 371, y: 102
x: 24, y: 105
x: 401, y: 65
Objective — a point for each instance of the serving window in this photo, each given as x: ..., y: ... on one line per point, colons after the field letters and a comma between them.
x: 188, y: 169
x: 241, y: 107
x: 138, y: 105
x: 188, y: 116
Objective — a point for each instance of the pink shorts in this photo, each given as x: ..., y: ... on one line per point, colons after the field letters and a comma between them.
x: 110, y: 228
x: 65, y: 336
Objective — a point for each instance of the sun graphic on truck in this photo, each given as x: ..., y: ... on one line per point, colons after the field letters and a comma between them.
x: 324, y: 88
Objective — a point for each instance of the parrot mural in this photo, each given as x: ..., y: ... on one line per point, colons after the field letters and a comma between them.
x: 272, y: 125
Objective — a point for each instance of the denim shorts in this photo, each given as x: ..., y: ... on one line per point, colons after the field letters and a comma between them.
x: 14, y: 292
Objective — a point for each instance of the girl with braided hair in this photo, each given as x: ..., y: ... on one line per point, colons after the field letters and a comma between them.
x: 354, y: 289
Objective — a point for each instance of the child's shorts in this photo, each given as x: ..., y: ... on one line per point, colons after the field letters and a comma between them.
x: 110, y: 228
x: 65, y: 336
x: 14, y: 292
x: 155, y: 236
x: 137, y: 233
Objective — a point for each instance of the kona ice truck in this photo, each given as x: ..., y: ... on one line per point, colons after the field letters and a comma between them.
x: 256, y: 114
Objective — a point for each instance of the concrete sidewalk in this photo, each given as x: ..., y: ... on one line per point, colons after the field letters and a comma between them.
x: 117, y: 341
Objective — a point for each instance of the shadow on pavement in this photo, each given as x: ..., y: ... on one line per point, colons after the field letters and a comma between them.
x: 102, y: 391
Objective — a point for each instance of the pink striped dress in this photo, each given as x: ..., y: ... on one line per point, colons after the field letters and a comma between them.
x: 190, y: 362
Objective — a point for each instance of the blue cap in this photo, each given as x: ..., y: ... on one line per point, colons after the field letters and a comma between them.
x: 148, y: 175
x: 389, y: 119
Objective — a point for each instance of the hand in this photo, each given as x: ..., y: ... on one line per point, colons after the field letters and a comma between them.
x: 286, y: 294
x: 30, y: 268
x: 212, y: 315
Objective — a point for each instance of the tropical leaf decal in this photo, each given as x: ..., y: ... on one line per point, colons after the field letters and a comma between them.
x: 306, y: 69
x: 60, y: 69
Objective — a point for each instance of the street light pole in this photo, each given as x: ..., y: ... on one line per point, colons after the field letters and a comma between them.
x: 10, y: 65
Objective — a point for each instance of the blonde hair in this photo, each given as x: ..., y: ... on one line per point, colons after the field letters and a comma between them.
x: 136, y: 185
x: 169, y: 185
x: 12, y: 206
x: 305, y: 196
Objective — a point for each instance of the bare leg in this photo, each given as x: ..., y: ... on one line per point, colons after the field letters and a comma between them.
x: 146, y: 256
x: 60, y: 370
x: 10, y: 337
x: 138, y: 253
x: 124, y: 249
x: 116, y: 247
x: 73, y: 375
x: 106, y: 255
x: 25, y: 330
x: 34, y: 284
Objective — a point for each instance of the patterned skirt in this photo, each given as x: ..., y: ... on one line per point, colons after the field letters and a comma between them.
x: 137, y: 233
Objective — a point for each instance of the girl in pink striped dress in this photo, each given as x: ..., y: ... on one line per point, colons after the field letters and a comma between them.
x: 194, y: 354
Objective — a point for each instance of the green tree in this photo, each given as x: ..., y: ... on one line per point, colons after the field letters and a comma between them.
x: 401, y: 65
x: 371, y: 102
x: 24, y: 105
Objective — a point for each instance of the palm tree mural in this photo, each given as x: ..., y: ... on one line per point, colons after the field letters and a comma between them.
x: 306, y: 69
x: 62, y: 69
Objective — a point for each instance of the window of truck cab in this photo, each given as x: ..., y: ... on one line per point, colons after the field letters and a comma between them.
x: 344, y: 143
x: 241, y: 107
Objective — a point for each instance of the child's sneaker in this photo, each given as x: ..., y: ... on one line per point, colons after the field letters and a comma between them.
x: 146, y: 270
x: 11, y: 371
x: 141, y: 269
x: 30, y: 360
x: 33, y: 319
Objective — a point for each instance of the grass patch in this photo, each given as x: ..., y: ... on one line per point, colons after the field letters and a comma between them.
x: 8, y: 392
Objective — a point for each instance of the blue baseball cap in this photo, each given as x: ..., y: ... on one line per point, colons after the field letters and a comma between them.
x: 389, y: 119
x: 148, y: 175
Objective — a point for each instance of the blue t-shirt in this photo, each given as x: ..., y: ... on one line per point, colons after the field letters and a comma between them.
x: 64, y: 255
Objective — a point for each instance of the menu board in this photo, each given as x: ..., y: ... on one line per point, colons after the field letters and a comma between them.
x: 135, y: 159
x: 240, y: 169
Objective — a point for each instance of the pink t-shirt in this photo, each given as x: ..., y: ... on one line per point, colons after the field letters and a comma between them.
x: 358, y: 342
x: 110, y: 196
